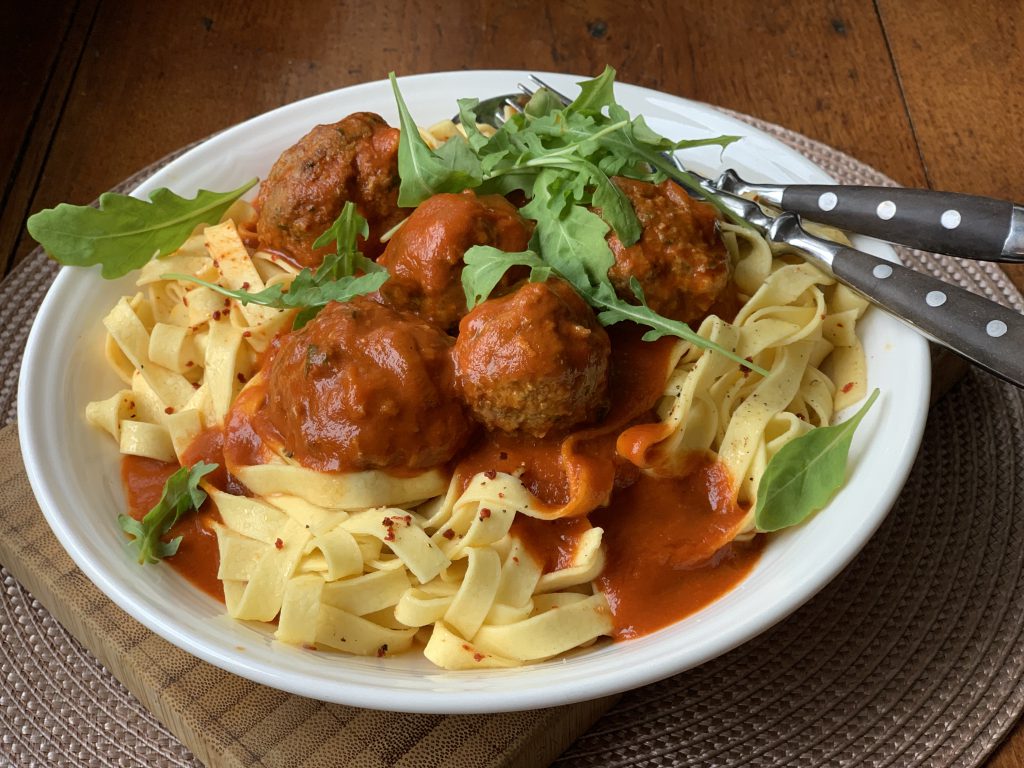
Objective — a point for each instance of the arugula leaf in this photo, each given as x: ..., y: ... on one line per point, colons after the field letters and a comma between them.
x: 424, y: 172
x: 346, y: 259
x: 124, y: 232
x: 570, y: 237
x: 614, y: 310
x: 543, y: 102
x: 595, y: 94
x: 307, y: 291
x: 486, y: 265
x: 805, y: 473
x: 467, y: 118
x: 334, y: 279
x: 181, y: 494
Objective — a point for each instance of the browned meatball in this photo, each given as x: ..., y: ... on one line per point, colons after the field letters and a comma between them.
x: 355, y: 159
x: 534, y: 360
x: 680, y: 260
x: 424, y: 256
x: 365, y: 387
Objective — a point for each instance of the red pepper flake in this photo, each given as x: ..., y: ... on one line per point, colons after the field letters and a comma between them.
x: 189, y: 364
x: 382, y: 651
x: 387, y: 522
x: 408, y: 519
x: 501, y: 495
x: 216, y: 264
x: 466, y: 647
x: 279, y: 544
x: 390, y: 535
x: 515, y: 559
x: 241, y: 377
x: 216, y: 314
x: 503, y: 456
x: 195, y: 385
x: 245, y: 286
x: 449, y: 534
x: 847, y: 387
x: 485, y: 513
x: 745, y: 368
x: 169, y: 410
x: 227, y: 303
x: 246, y: 334
x: 478, y: 657
x: 490, y: 474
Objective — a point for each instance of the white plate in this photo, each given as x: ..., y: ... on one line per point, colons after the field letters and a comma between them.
x: 74, y: 469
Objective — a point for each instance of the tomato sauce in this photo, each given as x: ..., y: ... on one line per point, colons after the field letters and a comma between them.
x: 667, y: 542
x: 553, y: 543
x: 198, y: 557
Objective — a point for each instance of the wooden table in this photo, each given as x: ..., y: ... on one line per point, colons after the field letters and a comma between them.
x: 928, y: 93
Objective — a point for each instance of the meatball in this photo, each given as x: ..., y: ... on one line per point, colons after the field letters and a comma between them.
x: 424, y: 256
x: 534, y: 360
x: 680, y: 260
x: 365, y: 387
x: 355, y: 159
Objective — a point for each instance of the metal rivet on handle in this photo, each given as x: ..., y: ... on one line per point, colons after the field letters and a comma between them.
x: 995, y: 328
x: 886, y: 209
x: 935, y: 298
x: 882, y: 271
x: 950, y: 219
x: 828, y: 201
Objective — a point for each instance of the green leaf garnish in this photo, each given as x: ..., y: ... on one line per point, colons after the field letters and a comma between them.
x: 805, y: 473
x: 486, y: 265
x: 181, y: 494
x: 595, y: 94
x: 124, y: 232
x: 424, y: 172
x: 334, y: 279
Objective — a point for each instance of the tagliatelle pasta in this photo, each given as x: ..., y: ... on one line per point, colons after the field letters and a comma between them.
x: 377, y: 563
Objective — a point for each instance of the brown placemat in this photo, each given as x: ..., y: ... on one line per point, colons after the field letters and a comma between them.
x: 913, y: 655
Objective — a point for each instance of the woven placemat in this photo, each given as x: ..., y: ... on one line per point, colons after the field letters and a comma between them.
x: 913, y: 655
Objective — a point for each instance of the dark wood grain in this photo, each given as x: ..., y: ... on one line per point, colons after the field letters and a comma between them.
x: 957, y: 64
x: 38, y: 63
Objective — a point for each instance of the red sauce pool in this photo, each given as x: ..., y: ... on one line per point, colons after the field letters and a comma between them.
x: 197, y: 558
x: 667, y: 548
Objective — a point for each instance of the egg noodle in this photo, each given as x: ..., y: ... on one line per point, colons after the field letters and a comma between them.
x: 372, y: 563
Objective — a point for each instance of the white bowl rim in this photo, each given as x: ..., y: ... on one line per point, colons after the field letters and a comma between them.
x: 436, y: 695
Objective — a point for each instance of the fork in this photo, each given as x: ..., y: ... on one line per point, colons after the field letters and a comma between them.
x: 983, y: 331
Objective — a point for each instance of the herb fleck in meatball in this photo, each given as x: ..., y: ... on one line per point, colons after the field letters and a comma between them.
x: 355, y: 159
x: 424, y: 256
x: 534, y: 360
x: 680, y: 260
x: 365, y: 387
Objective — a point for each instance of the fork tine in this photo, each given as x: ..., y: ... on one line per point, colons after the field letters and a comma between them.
x: 564, y: 99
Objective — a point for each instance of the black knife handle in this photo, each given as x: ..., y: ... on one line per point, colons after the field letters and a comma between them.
x: 941, y: 222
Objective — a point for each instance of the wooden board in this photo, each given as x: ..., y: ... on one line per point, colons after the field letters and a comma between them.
x: 231, y: 722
